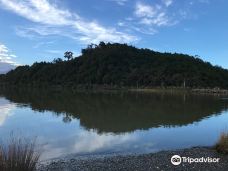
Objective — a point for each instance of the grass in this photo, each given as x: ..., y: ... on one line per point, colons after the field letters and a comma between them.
x: 18, y: 155
x: 222, y: 144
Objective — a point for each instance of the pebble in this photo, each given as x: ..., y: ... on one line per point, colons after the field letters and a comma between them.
x: 143, y: 162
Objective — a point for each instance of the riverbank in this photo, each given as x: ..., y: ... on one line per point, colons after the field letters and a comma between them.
x: 214, y: 91
x: 115, y: 88
x: 144, y: 162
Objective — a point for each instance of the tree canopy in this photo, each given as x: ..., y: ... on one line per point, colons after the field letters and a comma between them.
x: 121, y: 65
x: 68, y: 55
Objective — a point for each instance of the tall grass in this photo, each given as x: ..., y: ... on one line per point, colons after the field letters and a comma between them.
x: 222, y: 144
x: 18, y: 155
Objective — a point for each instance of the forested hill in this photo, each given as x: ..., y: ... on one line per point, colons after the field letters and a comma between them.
x: 121, y: 65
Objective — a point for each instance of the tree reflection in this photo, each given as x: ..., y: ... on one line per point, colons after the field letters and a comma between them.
x: 120, y: 112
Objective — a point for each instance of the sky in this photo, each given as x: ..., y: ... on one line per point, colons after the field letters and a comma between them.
x: 41, y: 30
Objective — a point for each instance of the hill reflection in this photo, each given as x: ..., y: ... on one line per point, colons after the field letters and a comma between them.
x: 120, y: 112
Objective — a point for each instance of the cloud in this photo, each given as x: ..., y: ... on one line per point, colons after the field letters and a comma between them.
x: 167, y: 2
x: 149, y: 31
x: 59, y: 20
x: 120, y: 2
x: 33, y: 32
x: 195, y: 2
x: 93, y: 32
x: 6, y: 59
x: 143, y: 10
x: 148, y: 18
x: 152, y: 15
x: 58, y: 52
x: 38, y: 11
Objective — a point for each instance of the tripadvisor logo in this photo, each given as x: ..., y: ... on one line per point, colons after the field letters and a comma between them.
x: 177, y: 160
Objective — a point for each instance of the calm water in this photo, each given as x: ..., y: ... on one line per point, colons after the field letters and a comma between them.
x: 104, y: 123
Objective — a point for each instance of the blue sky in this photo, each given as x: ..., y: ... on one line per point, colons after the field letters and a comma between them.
x: 41, y: 30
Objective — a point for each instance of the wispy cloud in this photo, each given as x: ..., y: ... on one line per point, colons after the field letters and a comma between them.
x: 147, y: 18
x: 35, y: 31
x: 39, y: 11
x: 167, y: 2
x: 143, y: 10
x: 7, y: 62
x: 57, y: 18
x: 58, y: 52
x: 154, y: 15
x: 40, y: 44
x: 119, y: 2
x: 6, y: 56
x: 195, y: 2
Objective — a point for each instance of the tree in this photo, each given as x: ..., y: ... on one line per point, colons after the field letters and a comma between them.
x: 57, y: 60
x: 102, y: 44
x: 68, y: 55
x: 67, y: 119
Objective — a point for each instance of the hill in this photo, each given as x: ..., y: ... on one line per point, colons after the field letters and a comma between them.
x: 121, y: 65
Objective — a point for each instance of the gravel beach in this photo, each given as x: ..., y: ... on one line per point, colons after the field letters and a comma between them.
x: 144, y: 162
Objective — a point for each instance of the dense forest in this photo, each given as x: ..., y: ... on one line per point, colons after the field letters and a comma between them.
x: 120, y: 65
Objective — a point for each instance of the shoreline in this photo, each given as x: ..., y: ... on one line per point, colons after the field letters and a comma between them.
x: 143, y: 162
x: 107, y: 88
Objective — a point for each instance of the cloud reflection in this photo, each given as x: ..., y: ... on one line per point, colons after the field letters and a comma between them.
x: 5, y: 110
x: 90, y: 141
x: 84, y: 142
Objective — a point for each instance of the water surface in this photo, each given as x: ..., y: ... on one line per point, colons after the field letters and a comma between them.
x: 105, y: 123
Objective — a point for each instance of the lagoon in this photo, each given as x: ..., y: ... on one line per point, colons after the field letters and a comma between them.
x: 89, y: 123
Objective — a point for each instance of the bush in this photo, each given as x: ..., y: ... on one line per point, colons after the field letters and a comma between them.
x: 222, y: 144
x: 18, y: 155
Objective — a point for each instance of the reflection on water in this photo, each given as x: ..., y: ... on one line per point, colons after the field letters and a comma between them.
x: 5, y: 109
x: 91, y: 123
